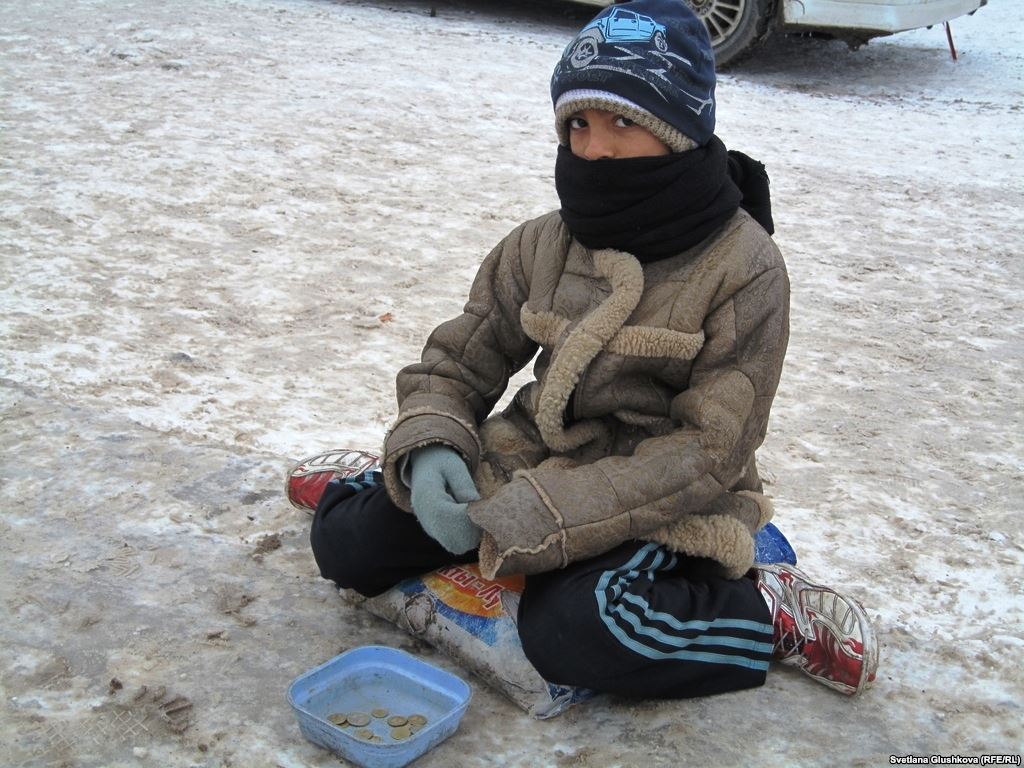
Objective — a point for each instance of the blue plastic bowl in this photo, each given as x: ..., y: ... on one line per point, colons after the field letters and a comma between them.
x: 371, y: 677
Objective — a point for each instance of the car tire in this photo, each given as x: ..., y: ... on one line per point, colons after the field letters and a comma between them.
x: 660, y: 42
x: 735, y: 26
x: 584, y: 50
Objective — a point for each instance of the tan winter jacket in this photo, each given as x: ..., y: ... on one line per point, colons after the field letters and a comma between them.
x: 651, y: 393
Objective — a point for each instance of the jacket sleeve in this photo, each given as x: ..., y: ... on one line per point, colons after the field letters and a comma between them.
x: 548, y: 517
x: 466, y: 364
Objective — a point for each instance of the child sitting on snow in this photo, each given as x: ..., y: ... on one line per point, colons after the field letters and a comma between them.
x: 622, y: 480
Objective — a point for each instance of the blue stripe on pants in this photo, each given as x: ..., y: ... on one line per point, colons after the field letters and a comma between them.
x: 659, y: 635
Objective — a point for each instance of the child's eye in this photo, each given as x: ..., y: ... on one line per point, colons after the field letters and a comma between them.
x: 623, y: 122
x: 577, y: 123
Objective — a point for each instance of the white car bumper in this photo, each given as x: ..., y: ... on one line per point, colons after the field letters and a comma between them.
x: 875, y: 15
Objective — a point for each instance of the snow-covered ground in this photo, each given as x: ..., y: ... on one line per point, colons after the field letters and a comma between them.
x: 225, y: 225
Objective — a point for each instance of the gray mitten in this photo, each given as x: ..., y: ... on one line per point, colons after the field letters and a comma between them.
x: 441, y: 489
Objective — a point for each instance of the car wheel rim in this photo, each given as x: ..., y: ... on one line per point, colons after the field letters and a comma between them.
x: 721, y: 17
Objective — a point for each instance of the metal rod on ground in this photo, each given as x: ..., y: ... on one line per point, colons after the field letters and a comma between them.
x: 949, y: 39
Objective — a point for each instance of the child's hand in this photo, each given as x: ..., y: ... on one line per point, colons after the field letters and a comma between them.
x: 441, y: 488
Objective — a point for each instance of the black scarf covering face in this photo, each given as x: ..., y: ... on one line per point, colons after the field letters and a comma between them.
x: 654, y: 207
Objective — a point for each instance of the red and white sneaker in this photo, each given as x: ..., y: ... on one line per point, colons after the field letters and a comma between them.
x: 307, y: 480
x: 818, y: 630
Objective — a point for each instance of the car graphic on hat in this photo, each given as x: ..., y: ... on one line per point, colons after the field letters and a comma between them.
x: 619, y: 26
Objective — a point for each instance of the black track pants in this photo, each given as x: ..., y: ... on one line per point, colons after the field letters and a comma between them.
x: 637, y: 621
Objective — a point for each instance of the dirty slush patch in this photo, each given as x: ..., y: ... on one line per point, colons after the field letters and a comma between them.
x: 159, y: 597
x: 136, y: 575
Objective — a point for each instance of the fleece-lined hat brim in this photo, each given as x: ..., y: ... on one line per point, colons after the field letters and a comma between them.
x: 571, y: 102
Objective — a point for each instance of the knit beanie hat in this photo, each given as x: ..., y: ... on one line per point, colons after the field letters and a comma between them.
x: 648, y: 60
